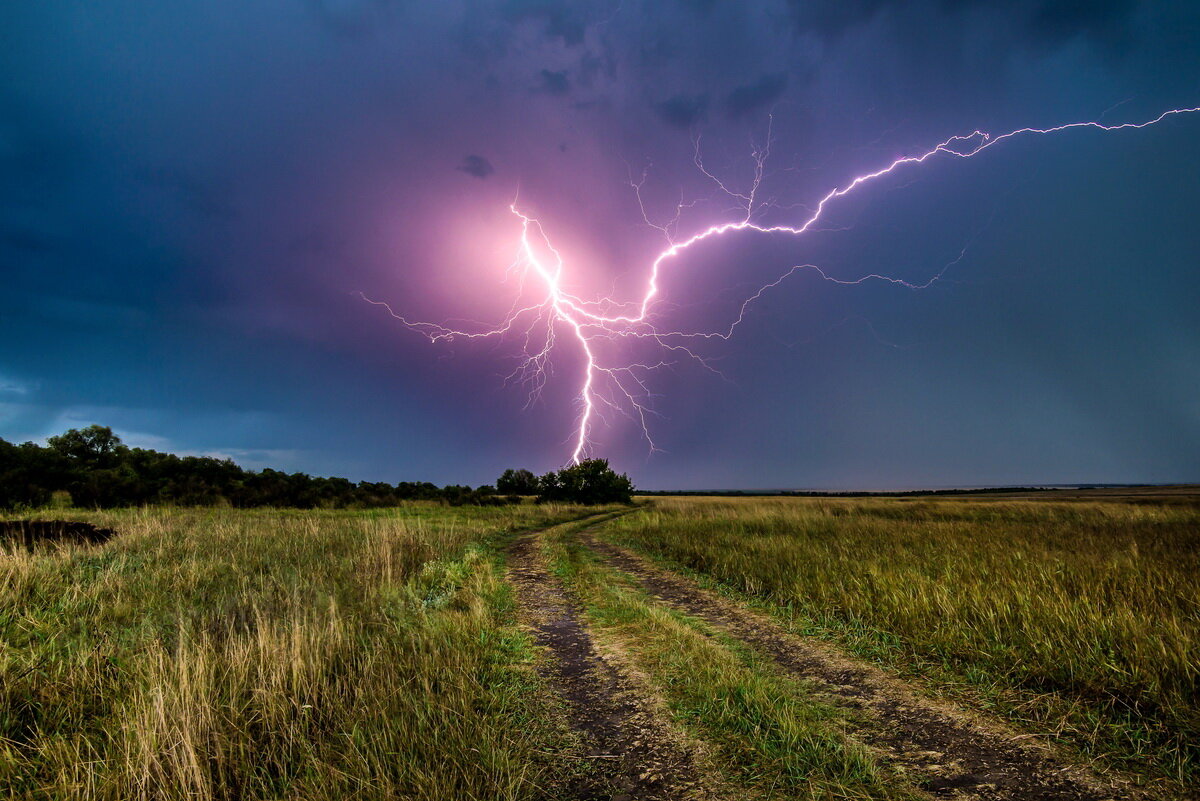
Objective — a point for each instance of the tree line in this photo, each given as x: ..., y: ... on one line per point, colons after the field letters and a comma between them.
x: 97, y: 470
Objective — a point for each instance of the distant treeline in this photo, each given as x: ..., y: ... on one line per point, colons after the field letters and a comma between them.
x: 97, y: 470
x: 867, y: 494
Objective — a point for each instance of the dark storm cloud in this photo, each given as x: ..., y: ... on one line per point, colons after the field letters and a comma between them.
x: 199, y: 197
x: 683, y: 111
x: 832, y: 18
x: 554, y: 82
x: 319, y: 243
x: 1060, y: 19
x: 36, y: 148
x: 1054, y: 21
x: 567, y: 21
x: 190, y: 197
x: 702, y: 6
x: 24, y: 239
x: 351, y: 18
x: 755, y: 97
x: 477, y: 166
x: 1104, y: 20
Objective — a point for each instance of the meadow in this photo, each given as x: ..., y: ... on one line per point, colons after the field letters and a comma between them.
x: 385, y: 653
x: 1078, y: 620
x: 221, y: 654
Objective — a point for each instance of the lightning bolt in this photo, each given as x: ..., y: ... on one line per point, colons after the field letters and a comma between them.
x: 621, y: 387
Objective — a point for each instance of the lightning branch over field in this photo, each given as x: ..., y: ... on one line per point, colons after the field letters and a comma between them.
x: 542, y: 313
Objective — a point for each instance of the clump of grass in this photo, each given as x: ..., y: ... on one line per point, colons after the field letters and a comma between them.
x: 769, y: 733
x: 1081, y: 619
x: 236, y: 655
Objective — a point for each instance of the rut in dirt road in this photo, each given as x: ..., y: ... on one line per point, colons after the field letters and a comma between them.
x: 633, y: 756
x: 944, y: 753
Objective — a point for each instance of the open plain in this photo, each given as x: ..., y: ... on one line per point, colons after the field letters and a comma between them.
x: 982, y: 647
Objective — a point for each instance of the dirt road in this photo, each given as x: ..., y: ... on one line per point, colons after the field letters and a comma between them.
x: 632, y: 754
x: 944, y: 751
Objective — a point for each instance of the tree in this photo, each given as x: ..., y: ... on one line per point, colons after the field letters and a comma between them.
x: 94, y: 445
x: 517, y: 482
x: 590, y: 481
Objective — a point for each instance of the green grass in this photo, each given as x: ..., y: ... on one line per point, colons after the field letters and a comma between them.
x: 1077, y: 619
x: 224, y: 654
x: 219, y: 654
x: 767, y: 733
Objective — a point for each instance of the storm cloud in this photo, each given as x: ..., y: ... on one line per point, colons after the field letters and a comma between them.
x: 683, y: 111
x: 477, y: 166
x: 193, y: 199
x: 753, y: 98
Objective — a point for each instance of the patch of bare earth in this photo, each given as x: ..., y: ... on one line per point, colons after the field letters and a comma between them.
x: 945, y: 751
x: 633, y: 754
x: 32, y: 533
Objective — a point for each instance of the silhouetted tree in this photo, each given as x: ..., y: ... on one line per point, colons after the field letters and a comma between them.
x: 590, y: 481
x: 92, y: 446
x: 517, y: 482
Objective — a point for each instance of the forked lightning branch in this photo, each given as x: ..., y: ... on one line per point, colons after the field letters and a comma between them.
x: 542, y: 317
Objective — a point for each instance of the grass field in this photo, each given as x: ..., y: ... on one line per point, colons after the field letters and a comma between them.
x: 1079, y: 619
x: 222, y: 654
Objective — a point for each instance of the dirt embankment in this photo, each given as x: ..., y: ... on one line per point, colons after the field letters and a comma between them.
x: 949, y: 753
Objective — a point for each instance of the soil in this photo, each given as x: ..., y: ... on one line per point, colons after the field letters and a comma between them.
x: 633, y: 755
x: 30, y: 533
x: 945, y: 751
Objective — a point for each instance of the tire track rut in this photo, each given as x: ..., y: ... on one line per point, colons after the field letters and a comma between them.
x: 947, y: 755
x: 634, y: 756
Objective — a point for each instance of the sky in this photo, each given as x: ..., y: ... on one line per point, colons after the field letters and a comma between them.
x: 195, y: 199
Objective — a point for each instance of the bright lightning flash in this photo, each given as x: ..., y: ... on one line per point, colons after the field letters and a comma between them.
x: 621, y: 386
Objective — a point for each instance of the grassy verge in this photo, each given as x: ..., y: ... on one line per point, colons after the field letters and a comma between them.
x: 768, y: 733
x: 1080, y: 620
x: 217, y: 654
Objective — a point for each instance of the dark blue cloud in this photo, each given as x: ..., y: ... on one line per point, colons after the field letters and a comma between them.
x: 565, y: 21
x: 353, y: 18
x: 554, y: 82
x: 202, y: 199
x: 683, y: 111
x: 755, y: 97
x: 191, y: 199
x: 1057, y: 20
x: 24, y: 240
x: 477, y: 166
x: 1105, y: 20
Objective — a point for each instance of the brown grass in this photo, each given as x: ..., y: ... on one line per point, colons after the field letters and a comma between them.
x: 1081, y: 619
x: 223, y: 655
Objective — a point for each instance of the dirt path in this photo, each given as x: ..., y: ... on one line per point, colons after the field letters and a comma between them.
x: 947, y: 753
x: 633, y: 755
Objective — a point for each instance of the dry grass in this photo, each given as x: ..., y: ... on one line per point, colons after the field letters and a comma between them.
x: 222, y: 655
x: 1080, y: 619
